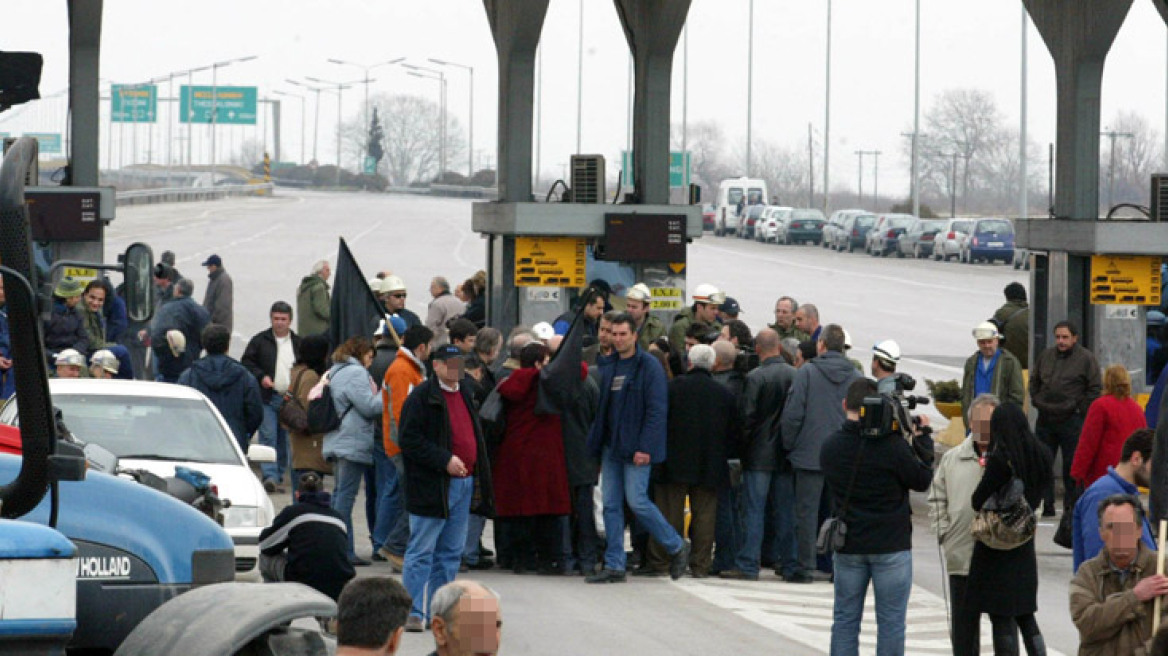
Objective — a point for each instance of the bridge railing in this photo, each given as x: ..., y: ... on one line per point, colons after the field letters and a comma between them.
x: 191, y: 194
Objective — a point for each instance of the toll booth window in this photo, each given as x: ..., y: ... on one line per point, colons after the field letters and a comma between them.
x: 756, y: 197
x: 734, y: 196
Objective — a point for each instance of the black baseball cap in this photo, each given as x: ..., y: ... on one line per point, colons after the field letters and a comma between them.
x: 447, y: 352
x: 214, y: 259
x: 730, y: 306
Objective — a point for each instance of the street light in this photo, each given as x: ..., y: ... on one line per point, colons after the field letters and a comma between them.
x: 469, y: 69
x: 302, y: 99
x: 368, y: 68
x: 341, y: 86
x: 431, y: 74
x: 215, y: 101
x: 827, y: 118
x: 316, y: 119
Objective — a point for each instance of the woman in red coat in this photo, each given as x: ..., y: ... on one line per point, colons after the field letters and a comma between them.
x: 529, y: 471
x: 1110, y: 420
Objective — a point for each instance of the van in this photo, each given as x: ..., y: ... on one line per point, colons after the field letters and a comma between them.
x: 750, y: 191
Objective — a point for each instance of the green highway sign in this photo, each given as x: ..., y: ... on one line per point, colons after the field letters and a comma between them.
x: 133, y: 103
x: 679, y: 169
x: 49, y: 142
x: 370, y: 165
x: 233, y: 105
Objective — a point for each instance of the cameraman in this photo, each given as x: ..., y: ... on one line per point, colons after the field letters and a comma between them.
x: 885, y: 356
x: 878, y: 540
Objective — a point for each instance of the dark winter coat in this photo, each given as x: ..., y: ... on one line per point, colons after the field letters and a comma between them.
x: 569, y: 386
x: 1014, y: 317
x: 642, y: 415
x: 529, y: 470
x: 424, y: 435
x: 219, y: 299
x: 476, y: 311
x: 315, y: 538
x: 66, y: 329
x: 878, y: 517
x: 1063, y: 385
x: 186, y: 316
x: 116, y: 319
x: 384, y: 353
x: 763, y: 399
x: 232, y: 389
x: 410, y: 318
x: 312, y: 306
x: 703, y: 419
x: 1006, y: 382
x: 814, y: 408
x: 733, y: 380
x: 260, y: 357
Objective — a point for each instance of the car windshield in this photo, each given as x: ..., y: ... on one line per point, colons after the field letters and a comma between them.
x: 998, y: 225
x: 148, y: 427
x: 932, y: 226
x: 734, y: 196
x: 961, y: 226
x: 756, y: 197
x: 807, y: 214
x: 865, y: 220
x: 900, y: 221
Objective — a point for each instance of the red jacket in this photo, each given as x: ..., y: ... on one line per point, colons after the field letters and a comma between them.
x: 1108, y: 424
x: 529, y: 471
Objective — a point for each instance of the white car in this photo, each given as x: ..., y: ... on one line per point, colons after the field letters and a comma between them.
x: 158, y: 426
x: 771, y: 223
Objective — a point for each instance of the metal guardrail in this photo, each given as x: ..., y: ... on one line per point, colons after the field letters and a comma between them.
x: 191, y: 194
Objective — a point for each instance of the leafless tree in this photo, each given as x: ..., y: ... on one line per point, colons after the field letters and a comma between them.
x: 412, y: 139
x: 784, y: 169
x: 705, y: 141
x: 1136, y: 158
x: 965, y: 122
x: 250, y: 153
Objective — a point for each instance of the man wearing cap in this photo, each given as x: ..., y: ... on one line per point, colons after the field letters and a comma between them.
x: 993, y: 370
x: 181, y: 313
x: 393, y: 297
x: 312, y: 301
x: 227, y: 384
x: 728, y: 311
x: 103, y: 364
x: 69, y: 364
x: 269, y: 357
x: 446, y: 470
x: 885, y: 356
x: 706, y: 299
x: 784, y: 324
x: 444, y: 307
x: 219, y: 299
x: 66, y: 326
x: 638, y: 302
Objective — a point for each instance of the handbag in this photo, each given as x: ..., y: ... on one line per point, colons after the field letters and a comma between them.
x: 834, y: 531
x: 292, y: 414
x: 1064, y: 534
x: 1006, y: 521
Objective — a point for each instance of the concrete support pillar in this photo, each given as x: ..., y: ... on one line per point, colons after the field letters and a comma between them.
x: 84, y: 99
x: 1078, y: 39
x: 652, y: 28
x: 516, y: 27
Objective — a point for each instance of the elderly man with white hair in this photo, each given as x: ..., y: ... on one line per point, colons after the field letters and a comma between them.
x: 467, y: 619
x: 312, y: 301
x: 703, y: 417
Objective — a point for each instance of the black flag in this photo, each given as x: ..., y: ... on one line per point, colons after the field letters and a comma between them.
x: 355, y: 310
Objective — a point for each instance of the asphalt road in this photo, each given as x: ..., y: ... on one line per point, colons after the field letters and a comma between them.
x: 929, y: 308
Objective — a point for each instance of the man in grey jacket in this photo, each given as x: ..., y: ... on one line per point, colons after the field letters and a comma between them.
x: 443, y: 308
x: 219, y: 300
x: 813, y: 412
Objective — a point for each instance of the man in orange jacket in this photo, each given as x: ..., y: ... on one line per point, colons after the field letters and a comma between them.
x: 392, y: 528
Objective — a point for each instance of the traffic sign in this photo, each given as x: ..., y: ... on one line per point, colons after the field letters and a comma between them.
x: 233, y: 105
x: 679, y: 169
x: 133, y: 103
x: 1125, y: 280
x: 550, y: 262
x: 370, y: 165
x: 49, y: 142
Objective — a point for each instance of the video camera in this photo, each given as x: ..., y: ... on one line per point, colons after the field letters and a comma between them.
x: 888, y: 414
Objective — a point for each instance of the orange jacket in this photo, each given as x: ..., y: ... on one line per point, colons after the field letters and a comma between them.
x: 400, y: 379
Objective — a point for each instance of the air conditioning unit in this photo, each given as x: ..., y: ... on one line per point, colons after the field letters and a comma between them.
x: 1159, y: 204
x: 588, y: 179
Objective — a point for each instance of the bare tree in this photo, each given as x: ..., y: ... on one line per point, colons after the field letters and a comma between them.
x: 784, y: 169
x: 412, y: 141
x: 708, y: 166
x: 965, y: 122
x: 250, y: 153
x: 1136, y: 158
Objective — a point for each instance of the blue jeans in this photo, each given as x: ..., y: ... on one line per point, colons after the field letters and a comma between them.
x: 757, y: 487
x: 389, y: 504
x: 435, y: 549
x: 728, y: 531
x: 474, y: 532
x: 624, y: 482
x: 273, y: 434
x: 349, y: 474
x: 891, y: 577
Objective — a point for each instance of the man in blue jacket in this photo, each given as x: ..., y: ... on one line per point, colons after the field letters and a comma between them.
x: 629, y: 436
x: 228, y: 384
x: 1134, y: 470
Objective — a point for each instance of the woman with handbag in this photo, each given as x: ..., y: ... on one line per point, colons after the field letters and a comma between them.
x: 1004, y: 582
x: 307, y: 453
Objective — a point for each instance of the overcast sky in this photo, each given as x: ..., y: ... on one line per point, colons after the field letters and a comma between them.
x: 969, y: 44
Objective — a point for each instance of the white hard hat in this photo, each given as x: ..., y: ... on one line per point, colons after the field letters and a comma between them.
x: 177, y: 342
x: 543, y: 330
x: 847, y: 340
x: 375, y: 285
x: 888, y: 351
x: 707, y: 293
x: 392, y: 284
x: 986, y: 330
x: 70, y: 356
x: 639, y: 292
x: 105, y: 359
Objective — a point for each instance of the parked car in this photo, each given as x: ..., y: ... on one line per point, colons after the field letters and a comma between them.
x: 917, y: 241
x: 773, y: 220
x: 883, y: 237
x: 990, y: 240
x: 749, y: 218
x: 708, y: 214
x: 832, y: 227
x: 803, y: 225
x: 732, y: 192
x: 949, y: 240
x: 157, y: 427
x: 853, y: 232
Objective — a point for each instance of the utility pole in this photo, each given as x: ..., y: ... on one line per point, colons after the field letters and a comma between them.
x: 1112, y: 135
x: 827, y: 118
x: 810, y: 168
x: 953, y: 188
x: 749, y: 84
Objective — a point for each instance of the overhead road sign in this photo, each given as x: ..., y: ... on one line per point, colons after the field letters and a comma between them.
x: 233, y: 105
x: 550, y: 262
x: 1125, y: 280
x: 679, y: 169
x: 133, y: 103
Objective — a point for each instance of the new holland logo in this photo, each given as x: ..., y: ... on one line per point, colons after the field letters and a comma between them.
x: 103, y: 567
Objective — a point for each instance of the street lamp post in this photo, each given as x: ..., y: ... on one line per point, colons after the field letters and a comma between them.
x: 316, y: 117
x: 366, y: 81
x: 916, y: 168
x: 431, y: 74
x: 827, y: 118
x: 215, y: 102
x: 469, y: 69
x: 341, y: 86
x: 302, y: 113
x: 749, y: 83
x: 1112, y: 135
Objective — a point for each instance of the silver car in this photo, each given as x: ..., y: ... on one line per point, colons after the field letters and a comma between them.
x: 950, y: 239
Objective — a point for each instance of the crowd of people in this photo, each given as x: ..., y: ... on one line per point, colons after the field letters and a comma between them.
x: 762, y: 435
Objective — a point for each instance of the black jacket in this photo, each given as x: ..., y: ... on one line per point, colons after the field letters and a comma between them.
x: 703, y: 418
x: 384, y: 353
x: 763, y: 399
x: 878, y: 516
x: 260, y: 357
x: 575, y: 397
x: 318, y: 548
x: 424, y: 436
x: 232, y: 389
x: 66, y: 329
x: 733, y: 380
x: 186, y: 316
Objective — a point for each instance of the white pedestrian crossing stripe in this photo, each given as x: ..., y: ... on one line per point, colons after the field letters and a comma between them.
x: 803, y: 613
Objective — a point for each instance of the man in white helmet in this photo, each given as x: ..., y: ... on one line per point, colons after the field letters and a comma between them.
x: 991, y: 370
x: 638, y: 301
x: 885, y: 356
x: 393, y: 297
x: 103, y: 364
x: 706, y: 299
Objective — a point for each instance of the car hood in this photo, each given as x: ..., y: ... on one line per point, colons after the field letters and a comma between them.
x: 236, y: 483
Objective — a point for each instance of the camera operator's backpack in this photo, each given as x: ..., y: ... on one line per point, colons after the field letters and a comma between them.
x: 322, y: 411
